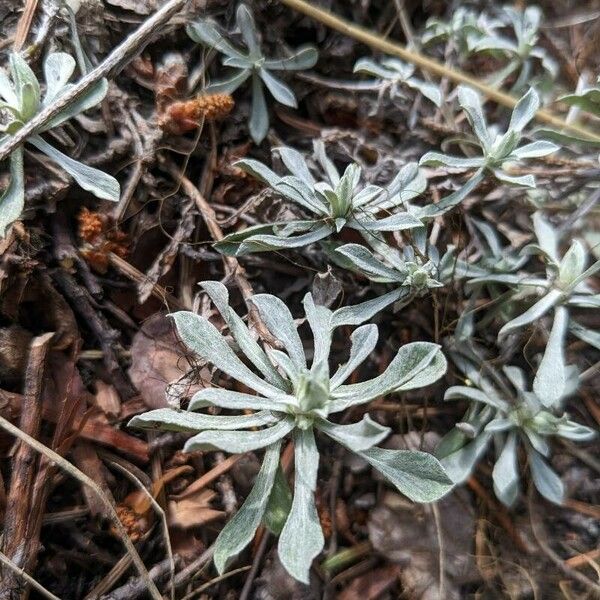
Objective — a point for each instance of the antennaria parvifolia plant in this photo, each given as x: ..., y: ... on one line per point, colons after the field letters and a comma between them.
x: 434, y: 218
x: 566, y: 281
x: 520, y: 49
x: 509, y: 34
x: 523, y: 418
x: 22, y: 100
x: 295, y: 400
x: 462, y: 30
x: 251, y: 63
x: 393, y: 74
x: 335, y: 202
x: 497, y: 150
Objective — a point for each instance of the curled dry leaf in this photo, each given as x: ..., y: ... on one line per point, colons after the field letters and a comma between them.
x: 107, y: 399
x: 194, y: 510
x: 136, y: 511
x: 157, y: 360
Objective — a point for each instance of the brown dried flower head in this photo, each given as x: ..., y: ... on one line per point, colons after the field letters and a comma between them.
x: 187, y: 115
x: 99, y: 237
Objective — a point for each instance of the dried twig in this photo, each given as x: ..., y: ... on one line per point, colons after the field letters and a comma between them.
x: 83, y: 304
x: 129, y: 271
x: 134, y: 588
x: 24, y: 24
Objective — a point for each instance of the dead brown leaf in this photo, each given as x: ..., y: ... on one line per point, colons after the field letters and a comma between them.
x: 194, y: 510
x: 371, y: 585
x: 157, y: 359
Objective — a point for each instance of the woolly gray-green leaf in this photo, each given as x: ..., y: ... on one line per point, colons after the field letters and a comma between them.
x: 359, y: 313
x: 460, y: 463
x: 431, y: 91
x: 471, y: 104
x: 449, y: 202
x: 417, y: 475
x: 238, y: 400
x: 546, y: 236
x: 304, y: 57
x: 365, y: 262
x: 26, y: 85
x: 92, y: 97
x: 363, y: 340
x: 230, y: 84
x: 207, y: 33
x: 296, y: 164
x: 572, y: 264
x: 58, y: 68
x: 547, y: 482
x: 301, y: 539
x: 265, y: 242
x: 101, y: 184
x: 238, y: 442
x: 515, y: 180
x: 7, y: 91
x: 247, y: 26
x: 357, y: 436
x: 279, y: 321
x: 436, y: 159
x: 539, y: 309
x: 240, y: 332
x: 238, y: 533
x: 524, y: 110
x: 200, y: 336
x: 167, y: 419
x: 319, y: 319
x: 506, y: 472
x: 589, y: 336
x: 551, y: 378
x: 398, y: 222
x: 535, y: 149
x: 279, y: 90
x: 576, y: 432
x: 13, y: 198
x: 426, y: 376
x: 258, y: 170
x: 259, y: 113
x: 279, y: 505
x: 410, y: 360
x: 458, y: 392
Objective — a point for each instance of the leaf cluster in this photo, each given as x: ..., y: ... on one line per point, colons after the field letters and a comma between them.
x: 250, y: 62
x: 21, y: 100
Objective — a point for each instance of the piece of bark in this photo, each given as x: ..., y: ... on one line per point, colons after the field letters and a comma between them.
x: 18, y: 506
